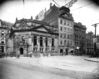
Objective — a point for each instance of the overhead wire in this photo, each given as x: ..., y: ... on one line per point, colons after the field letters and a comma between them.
x: 82, y: 7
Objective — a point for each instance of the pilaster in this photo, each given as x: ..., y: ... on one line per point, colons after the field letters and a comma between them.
x: 38, y: 43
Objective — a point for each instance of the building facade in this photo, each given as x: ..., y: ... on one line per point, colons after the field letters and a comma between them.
x: 32, y: 37
x: 97, y: 46
x: 80, y: 38
x: 4, y: 34
x: 62, y: 19
x: 89, y: 43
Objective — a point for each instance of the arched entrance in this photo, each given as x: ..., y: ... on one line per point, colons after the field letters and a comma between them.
x: 21, y: 51
x: 61, y: 51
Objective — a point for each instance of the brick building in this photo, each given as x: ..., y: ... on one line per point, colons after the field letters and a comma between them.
x: 62, y: 19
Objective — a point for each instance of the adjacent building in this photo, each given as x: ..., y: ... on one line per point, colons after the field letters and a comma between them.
x: 62, y: 19
x: 97, y: 45
x: 4, y: 34
x: 89, y: 43
x: 80, y: 38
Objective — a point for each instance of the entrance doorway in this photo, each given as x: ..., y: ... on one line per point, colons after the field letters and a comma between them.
x: 66, y: 51
x: 61, y: 51
x: 21, y: 51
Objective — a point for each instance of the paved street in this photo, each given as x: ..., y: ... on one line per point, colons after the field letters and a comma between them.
x: 15, y: 70
x: 12, y: 70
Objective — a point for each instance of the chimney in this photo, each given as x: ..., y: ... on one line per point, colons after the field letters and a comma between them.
x: 16, y: 18
x: 50, y: 5
x: 31, y: 18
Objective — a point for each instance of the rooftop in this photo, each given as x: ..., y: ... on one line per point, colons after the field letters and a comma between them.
x: 80, y: 25
x: 59, y: 11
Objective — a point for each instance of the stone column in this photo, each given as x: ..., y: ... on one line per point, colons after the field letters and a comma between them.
x: 25, y: 51
x: 49, y: 44
x: 17, y: 52
x: 38, y: 44
x: 30, y: 43
x: 44, y: 46
x: 56, y: 44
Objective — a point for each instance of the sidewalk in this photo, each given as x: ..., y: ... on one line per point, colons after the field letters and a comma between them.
x: 75, y: 63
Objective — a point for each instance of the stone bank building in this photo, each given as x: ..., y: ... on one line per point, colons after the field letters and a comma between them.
x: 28, y: 36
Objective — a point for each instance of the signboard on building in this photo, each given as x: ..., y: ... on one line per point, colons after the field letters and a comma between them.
x: 94, y: 40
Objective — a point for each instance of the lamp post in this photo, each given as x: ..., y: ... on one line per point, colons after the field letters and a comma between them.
x: 95, y: 25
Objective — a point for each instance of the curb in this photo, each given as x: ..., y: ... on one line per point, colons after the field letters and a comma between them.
x: 91, y: 60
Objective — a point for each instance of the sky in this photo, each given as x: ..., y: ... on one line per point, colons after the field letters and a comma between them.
x: 82, y: 11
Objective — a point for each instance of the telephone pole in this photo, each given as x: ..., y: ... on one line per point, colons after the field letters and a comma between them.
x: 23, y: 1
x: 95, y: 25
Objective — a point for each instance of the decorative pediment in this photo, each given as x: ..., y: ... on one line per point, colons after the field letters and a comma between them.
x: 42, y: 29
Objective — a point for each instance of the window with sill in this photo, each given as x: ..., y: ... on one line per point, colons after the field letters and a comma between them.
x: 60, y: 35
x: 60, y: 28
x: 61, y: 21
x: 61, y: 42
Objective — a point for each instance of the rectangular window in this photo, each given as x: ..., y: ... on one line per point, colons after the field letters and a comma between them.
x: 64, y: 29
x: 64, y: 22
x: 64, y: 35
x: 61, y: 35
x: 61, y: 28
x: 65, y: 42
x: 68, y: 29
x: 71, y: 43
x: 61, y: 42
x: 61, y: 22
x: 67, y: 23
x: 68, y: 37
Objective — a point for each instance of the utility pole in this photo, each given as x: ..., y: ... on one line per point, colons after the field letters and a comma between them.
x: 95, y: 25
x: 23, y: 1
